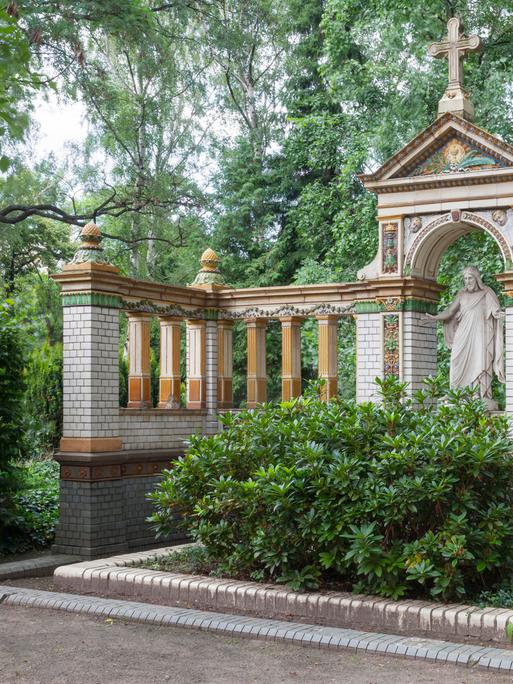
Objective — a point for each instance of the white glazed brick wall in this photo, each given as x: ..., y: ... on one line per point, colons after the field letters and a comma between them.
x: 211, y: 373
x: 151, y: 430
x: 419, y: 349
x: 508, y: 348
x: 369, y: 355
x: 90, y: 372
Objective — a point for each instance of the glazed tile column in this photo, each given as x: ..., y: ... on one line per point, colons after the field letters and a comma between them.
x: 225, y: 364
x: 139, y: 373
x: 196, y: 366
x: 256, y: 373
x: 508, y: 348
x: 90, y: 373
x: 369, y: 351
x: 419, y: 345
x: 328, y: 357
x: 290, y: 357
x: 169, y: 384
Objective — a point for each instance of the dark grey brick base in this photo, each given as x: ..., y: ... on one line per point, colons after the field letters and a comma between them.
x: 106, y: 517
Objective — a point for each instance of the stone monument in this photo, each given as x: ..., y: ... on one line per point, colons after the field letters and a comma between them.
x: 473, y: 331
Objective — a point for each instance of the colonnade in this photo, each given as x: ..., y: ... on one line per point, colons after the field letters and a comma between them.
x: 209, y: 353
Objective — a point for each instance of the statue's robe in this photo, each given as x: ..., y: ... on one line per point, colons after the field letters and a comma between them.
x: 474, y: 334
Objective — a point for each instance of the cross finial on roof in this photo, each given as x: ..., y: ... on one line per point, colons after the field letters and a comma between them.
x: 454, y: 48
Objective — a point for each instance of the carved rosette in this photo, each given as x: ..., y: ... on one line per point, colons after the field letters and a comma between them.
x: 390, y: 258
x: 391, y: 345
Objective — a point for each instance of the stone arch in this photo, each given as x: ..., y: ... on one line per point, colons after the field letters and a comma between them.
x: 423, y: 257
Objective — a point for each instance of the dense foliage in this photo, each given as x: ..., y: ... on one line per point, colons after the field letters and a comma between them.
x: 35, y: 507
x: 387, y: 499
x: 43, y: 411
x: 11, y: 416
x: 237, y: 125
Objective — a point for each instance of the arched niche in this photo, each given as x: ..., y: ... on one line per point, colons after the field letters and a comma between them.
x: 423, y: 257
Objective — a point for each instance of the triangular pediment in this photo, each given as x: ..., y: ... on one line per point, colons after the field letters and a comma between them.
x: 450, y: 148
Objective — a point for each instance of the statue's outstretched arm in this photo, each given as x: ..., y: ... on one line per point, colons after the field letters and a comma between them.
x: 448, y: 313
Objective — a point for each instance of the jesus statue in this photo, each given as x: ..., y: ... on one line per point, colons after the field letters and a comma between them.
x: 473, y: 332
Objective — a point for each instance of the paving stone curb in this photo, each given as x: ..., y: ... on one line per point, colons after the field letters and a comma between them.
x: 115, y: 576
x: 261, y: 628
x: 35, y: 567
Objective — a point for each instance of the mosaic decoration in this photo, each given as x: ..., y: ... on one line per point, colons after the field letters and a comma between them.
x: 456, y: 156
x: 390, y: 248
x: 391, y: 345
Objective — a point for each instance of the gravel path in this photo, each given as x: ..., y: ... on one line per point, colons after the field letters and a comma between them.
x: 52, y: 647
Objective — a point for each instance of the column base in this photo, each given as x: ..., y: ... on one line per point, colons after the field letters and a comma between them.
x: 170, y: 404
x: 329, y: 389
x: 290, y: 388
x: 103, y: 502
x: 90, y: 444
x: 139, y: 404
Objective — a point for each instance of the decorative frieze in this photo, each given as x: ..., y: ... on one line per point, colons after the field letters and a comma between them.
x: 97, y: 473
x: 395, y: 304
x: 91, y: 299
x: 288, y: 310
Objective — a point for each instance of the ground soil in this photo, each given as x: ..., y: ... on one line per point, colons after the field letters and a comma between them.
x: 27, y: 555
x: 53, y: 647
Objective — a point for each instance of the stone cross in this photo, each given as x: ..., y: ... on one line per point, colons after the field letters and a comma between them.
x: 455, y: 48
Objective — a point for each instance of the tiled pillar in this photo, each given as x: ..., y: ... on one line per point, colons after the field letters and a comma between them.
x: 169, y: 386
x: 508, y: 348
x: 225, y: 364
x: 196, y: 380
x: 419, y: 349
x: 90, y: 374
x: 369, y: 354
x: 139, y: 373
x: 256, y: 373
x: 290, y: 357
x: 328, y: 357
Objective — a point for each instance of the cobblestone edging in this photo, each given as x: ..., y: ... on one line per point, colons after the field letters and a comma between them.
x: 261, y: 628
x: 113, y: 576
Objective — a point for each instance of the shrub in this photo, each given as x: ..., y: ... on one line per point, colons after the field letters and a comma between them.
x: 12, y: 443
x: 43, y: 398
x: 36, y: 507
x: 382, y: 498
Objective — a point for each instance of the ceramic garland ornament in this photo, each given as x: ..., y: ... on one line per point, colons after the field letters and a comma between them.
x: 473, y: 331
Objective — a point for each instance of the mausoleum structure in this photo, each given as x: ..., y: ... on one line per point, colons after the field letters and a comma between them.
x: 453, y: 178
